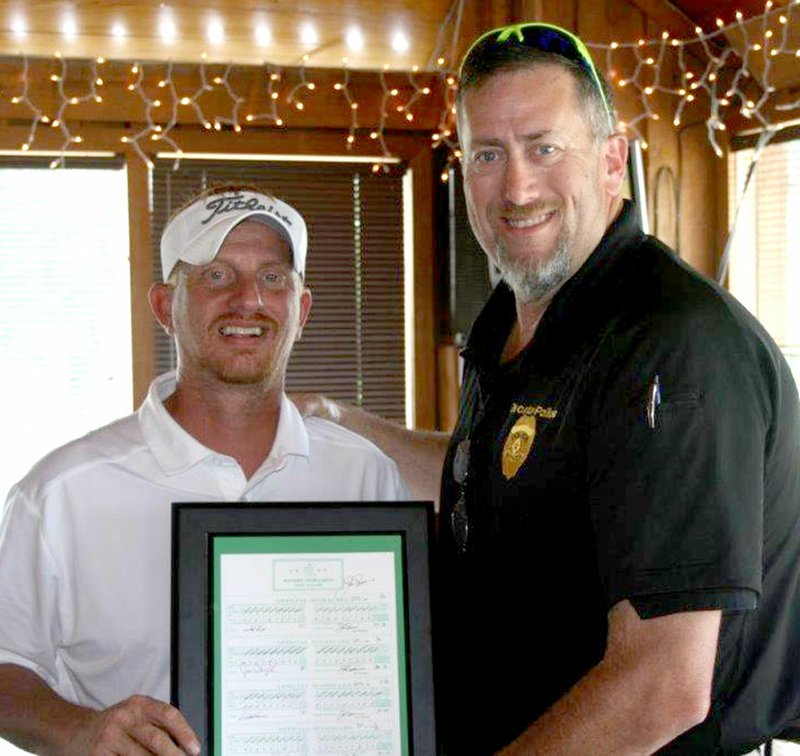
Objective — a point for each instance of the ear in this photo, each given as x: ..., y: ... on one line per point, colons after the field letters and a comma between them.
x: 160, y: 296
x: 305, y: 310
x: 615, y: 164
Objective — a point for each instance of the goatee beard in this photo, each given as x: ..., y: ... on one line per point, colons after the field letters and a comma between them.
x: 531, y: 279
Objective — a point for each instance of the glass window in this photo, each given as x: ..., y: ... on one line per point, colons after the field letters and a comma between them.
x: 65, y: 330
x: 764, y: 262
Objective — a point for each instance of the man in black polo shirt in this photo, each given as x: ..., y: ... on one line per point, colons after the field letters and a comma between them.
x: 619, y: 553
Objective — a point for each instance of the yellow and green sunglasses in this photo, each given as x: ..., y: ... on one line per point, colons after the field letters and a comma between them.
x: 546, y: 38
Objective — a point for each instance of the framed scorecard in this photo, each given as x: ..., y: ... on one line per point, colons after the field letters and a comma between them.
x: 304, y: 628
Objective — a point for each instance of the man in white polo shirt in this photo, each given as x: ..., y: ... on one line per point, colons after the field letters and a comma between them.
x: 85, y: 539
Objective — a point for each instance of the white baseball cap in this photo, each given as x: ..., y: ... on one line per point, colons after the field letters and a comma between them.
x: 197, y: 232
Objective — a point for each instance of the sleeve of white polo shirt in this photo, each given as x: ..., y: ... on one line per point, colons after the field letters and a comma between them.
x: 29, y: 628
x: 394, y: 487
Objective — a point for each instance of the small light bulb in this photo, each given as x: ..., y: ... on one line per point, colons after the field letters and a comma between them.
x: 308, y: 35
x: 299, y: 105
x: 400, y: 43
x: 186, y: 100
x: 18, y: 26
x: 351, y: 139
x: 118, y: 30
x: 263, y: 35
x: 215, y: 33
x: 69, y: 28
x: 167, y: 29
x: 355, y: 39
x: 373, y: 135
x: 279, y: 121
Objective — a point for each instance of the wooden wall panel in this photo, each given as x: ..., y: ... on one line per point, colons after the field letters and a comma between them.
x: 698, y: 206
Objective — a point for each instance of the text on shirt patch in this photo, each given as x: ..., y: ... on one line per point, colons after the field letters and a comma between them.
x: 534, y: 410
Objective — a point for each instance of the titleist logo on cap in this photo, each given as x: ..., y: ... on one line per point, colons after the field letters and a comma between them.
x: 231, y: 203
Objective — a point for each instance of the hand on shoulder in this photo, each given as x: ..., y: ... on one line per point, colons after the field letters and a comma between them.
x: 317, y: 405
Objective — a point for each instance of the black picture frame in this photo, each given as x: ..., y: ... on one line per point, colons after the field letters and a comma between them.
x: 205, y: 532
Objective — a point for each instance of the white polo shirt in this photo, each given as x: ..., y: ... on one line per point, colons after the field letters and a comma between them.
x: 85, y: 542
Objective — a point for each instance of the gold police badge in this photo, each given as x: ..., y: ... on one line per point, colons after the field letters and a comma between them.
x: 518, y: 445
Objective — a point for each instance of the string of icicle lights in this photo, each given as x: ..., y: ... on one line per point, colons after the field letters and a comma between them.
x: 729, y: 69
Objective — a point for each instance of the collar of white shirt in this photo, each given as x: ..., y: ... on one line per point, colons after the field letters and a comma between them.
x: 176, y: 450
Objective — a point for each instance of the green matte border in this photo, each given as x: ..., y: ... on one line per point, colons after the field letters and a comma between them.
x: 309, y: 544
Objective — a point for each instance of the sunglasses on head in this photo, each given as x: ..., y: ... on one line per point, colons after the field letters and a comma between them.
x: 545, y: 38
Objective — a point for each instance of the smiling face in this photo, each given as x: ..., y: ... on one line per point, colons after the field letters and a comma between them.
x: 236, y: 319
x: 540, y: 190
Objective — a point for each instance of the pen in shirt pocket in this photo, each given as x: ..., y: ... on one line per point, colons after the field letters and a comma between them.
x: 653, y: 400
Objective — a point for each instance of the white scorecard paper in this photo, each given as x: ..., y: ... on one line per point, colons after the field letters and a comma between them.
x: 309, y: 654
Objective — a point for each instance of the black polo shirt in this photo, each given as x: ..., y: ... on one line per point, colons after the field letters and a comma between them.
x: 644, y: 446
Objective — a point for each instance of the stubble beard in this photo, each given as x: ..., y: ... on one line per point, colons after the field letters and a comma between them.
x: 264, y: 372
x: 260, y: 369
